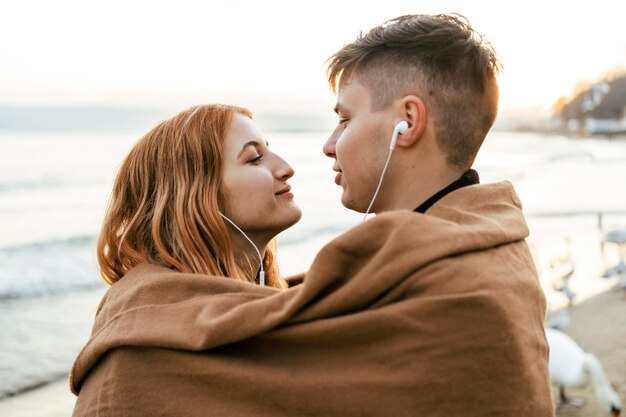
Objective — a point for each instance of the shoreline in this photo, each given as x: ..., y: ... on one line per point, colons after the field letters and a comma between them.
x: 34, y: 386
x: 54, y: 399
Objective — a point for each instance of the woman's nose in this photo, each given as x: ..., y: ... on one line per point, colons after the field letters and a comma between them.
x: 284, y: 170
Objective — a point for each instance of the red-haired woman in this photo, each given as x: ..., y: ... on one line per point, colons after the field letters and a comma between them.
x: 199, y: 200
x: 200, y: 193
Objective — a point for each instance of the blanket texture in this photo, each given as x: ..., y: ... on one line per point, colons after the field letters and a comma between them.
x: 405, y: 315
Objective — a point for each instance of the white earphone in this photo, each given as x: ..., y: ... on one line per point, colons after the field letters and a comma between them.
x: 399, y: 129
x: 261, y: 271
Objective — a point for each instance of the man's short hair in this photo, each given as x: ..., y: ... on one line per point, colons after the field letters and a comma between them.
x: 442, y: 60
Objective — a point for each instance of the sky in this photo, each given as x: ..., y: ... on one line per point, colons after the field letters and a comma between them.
x: 271, y: 54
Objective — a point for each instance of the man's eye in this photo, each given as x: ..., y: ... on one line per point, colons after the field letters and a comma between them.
x: 343, y: 122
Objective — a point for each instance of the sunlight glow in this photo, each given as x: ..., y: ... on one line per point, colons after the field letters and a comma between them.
x: 145, y: 53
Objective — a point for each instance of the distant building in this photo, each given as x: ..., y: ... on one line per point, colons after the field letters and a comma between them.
x: 595, y: 126
x: 598, y: 110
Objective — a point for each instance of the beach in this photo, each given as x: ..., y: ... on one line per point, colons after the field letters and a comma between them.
x: 50, y: 212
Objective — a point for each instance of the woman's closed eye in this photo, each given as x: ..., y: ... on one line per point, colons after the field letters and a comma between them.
x: 343, y: 122
x: 255, y: 159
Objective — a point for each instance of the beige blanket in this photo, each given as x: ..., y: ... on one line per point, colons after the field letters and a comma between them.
x: 404, y: 315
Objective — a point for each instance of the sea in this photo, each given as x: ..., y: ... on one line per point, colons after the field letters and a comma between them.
x: 54, y: 189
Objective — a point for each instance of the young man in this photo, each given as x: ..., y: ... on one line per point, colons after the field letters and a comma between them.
x: 405, y: 315
x: 435, y: 73
x: 437, y: 76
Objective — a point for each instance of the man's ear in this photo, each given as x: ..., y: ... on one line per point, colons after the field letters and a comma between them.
x: 413, y: 111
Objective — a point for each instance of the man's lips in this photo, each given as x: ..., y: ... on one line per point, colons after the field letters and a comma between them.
x: 338, y: 178
x: 338, y: 171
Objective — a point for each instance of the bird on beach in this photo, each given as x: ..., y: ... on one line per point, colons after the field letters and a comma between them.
x: 565, y: 288
x: 618, y: 237
x: 558, y: 319
x: 571, y: 367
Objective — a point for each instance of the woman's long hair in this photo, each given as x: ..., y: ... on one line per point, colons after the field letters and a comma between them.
x: 164, y: 208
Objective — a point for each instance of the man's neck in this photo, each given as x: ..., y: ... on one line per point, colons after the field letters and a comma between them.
x: 411, y: 191
x: 470, y: 177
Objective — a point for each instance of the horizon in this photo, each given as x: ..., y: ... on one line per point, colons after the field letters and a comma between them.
x: 84, y: 118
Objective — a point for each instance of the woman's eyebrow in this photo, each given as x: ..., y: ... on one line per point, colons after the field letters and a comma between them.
x: 254, y: 143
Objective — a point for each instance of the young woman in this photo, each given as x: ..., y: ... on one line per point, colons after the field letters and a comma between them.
x: 200, y: 193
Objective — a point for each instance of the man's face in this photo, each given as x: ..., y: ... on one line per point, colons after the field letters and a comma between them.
x: 359, y: 145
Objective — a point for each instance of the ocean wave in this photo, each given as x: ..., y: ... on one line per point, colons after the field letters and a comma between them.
x: 41, y: 338
x: 298, y: 237
x: 65, y: 265
x: 15, y: 385
x: 46, y: 268
x: 52, y: 184
x: 64, y: 243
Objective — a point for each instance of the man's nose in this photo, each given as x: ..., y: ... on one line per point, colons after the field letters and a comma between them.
x: 329, y: 146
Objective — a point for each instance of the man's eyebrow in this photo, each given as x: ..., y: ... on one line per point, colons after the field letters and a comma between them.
x: 254, y: 143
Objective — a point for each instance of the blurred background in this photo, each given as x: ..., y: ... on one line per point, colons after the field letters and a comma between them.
x: 81, y: 81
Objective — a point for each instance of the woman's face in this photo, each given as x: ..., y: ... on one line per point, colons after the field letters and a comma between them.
x: 256, y: 194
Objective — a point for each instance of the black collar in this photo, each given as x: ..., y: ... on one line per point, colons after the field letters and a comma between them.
x: 469, y: 178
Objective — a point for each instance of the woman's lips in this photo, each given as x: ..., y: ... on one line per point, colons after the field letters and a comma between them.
x: 285, y: 192
x: 338, y: 178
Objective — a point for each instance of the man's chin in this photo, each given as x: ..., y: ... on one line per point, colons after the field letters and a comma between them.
x: 350, y: 204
